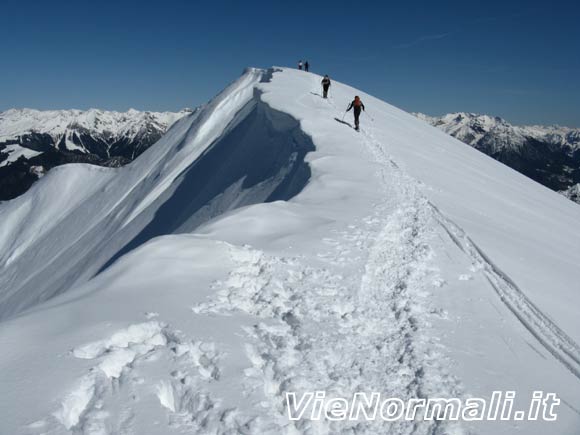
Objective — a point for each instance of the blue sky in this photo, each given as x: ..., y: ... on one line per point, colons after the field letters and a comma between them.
x: 516, y: 59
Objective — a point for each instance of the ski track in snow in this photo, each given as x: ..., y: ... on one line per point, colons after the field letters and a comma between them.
x: 554, y: 339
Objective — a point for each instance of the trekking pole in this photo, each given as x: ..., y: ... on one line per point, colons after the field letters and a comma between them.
x: 372, y: 119
x: 343, y: 115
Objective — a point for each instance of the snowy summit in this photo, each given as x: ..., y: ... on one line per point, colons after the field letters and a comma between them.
x: 263, y: 246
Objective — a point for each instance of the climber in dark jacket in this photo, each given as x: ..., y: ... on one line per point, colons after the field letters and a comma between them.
x: 357, y: 104
x: 325, y: 85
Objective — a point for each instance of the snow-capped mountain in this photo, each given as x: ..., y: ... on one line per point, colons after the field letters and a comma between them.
x: 99, y: 132
x: 549, y: 155
x: 573, y: 193
x: 44, y: 139
x: 263, y: 247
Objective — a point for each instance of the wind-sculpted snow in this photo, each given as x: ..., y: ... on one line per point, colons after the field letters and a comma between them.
x: 399, y: 261
x: 161, y: 194
x: 229, y: 175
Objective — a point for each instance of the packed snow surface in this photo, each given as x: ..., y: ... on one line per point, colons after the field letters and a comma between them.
x: 263, y: 246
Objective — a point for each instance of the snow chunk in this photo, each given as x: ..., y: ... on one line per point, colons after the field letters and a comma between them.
x: 165, y: 395
x: 113, y: 365
x: 75, y: 404
x: 149, y: 333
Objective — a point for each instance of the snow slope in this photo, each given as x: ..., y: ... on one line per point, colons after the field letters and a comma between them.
x: 187, y: 291
x: 32, y: 142
x: 548, y: 155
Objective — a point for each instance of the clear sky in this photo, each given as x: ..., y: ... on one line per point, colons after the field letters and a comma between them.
x: 516, y: 59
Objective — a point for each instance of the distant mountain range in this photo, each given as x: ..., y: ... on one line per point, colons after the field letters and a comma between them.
x: 549, y: 155
x: 33, y: 141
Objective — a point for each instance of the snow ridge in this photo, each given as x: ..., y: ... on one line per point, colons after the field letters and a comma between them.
x: 202, y: 168
x: 325, y: 328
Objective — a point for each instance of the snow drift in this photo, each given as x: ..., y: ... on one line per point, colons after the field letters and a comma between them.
x: 254, y: 154
x: 261, y: 247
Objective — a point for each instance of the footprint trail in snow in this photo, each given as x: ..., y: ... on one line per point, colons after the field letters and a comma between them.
x: 351, y: 319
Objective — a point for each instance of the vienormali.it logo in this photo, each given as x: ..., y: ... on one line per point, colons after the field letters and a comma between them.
x: 371, y: 406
